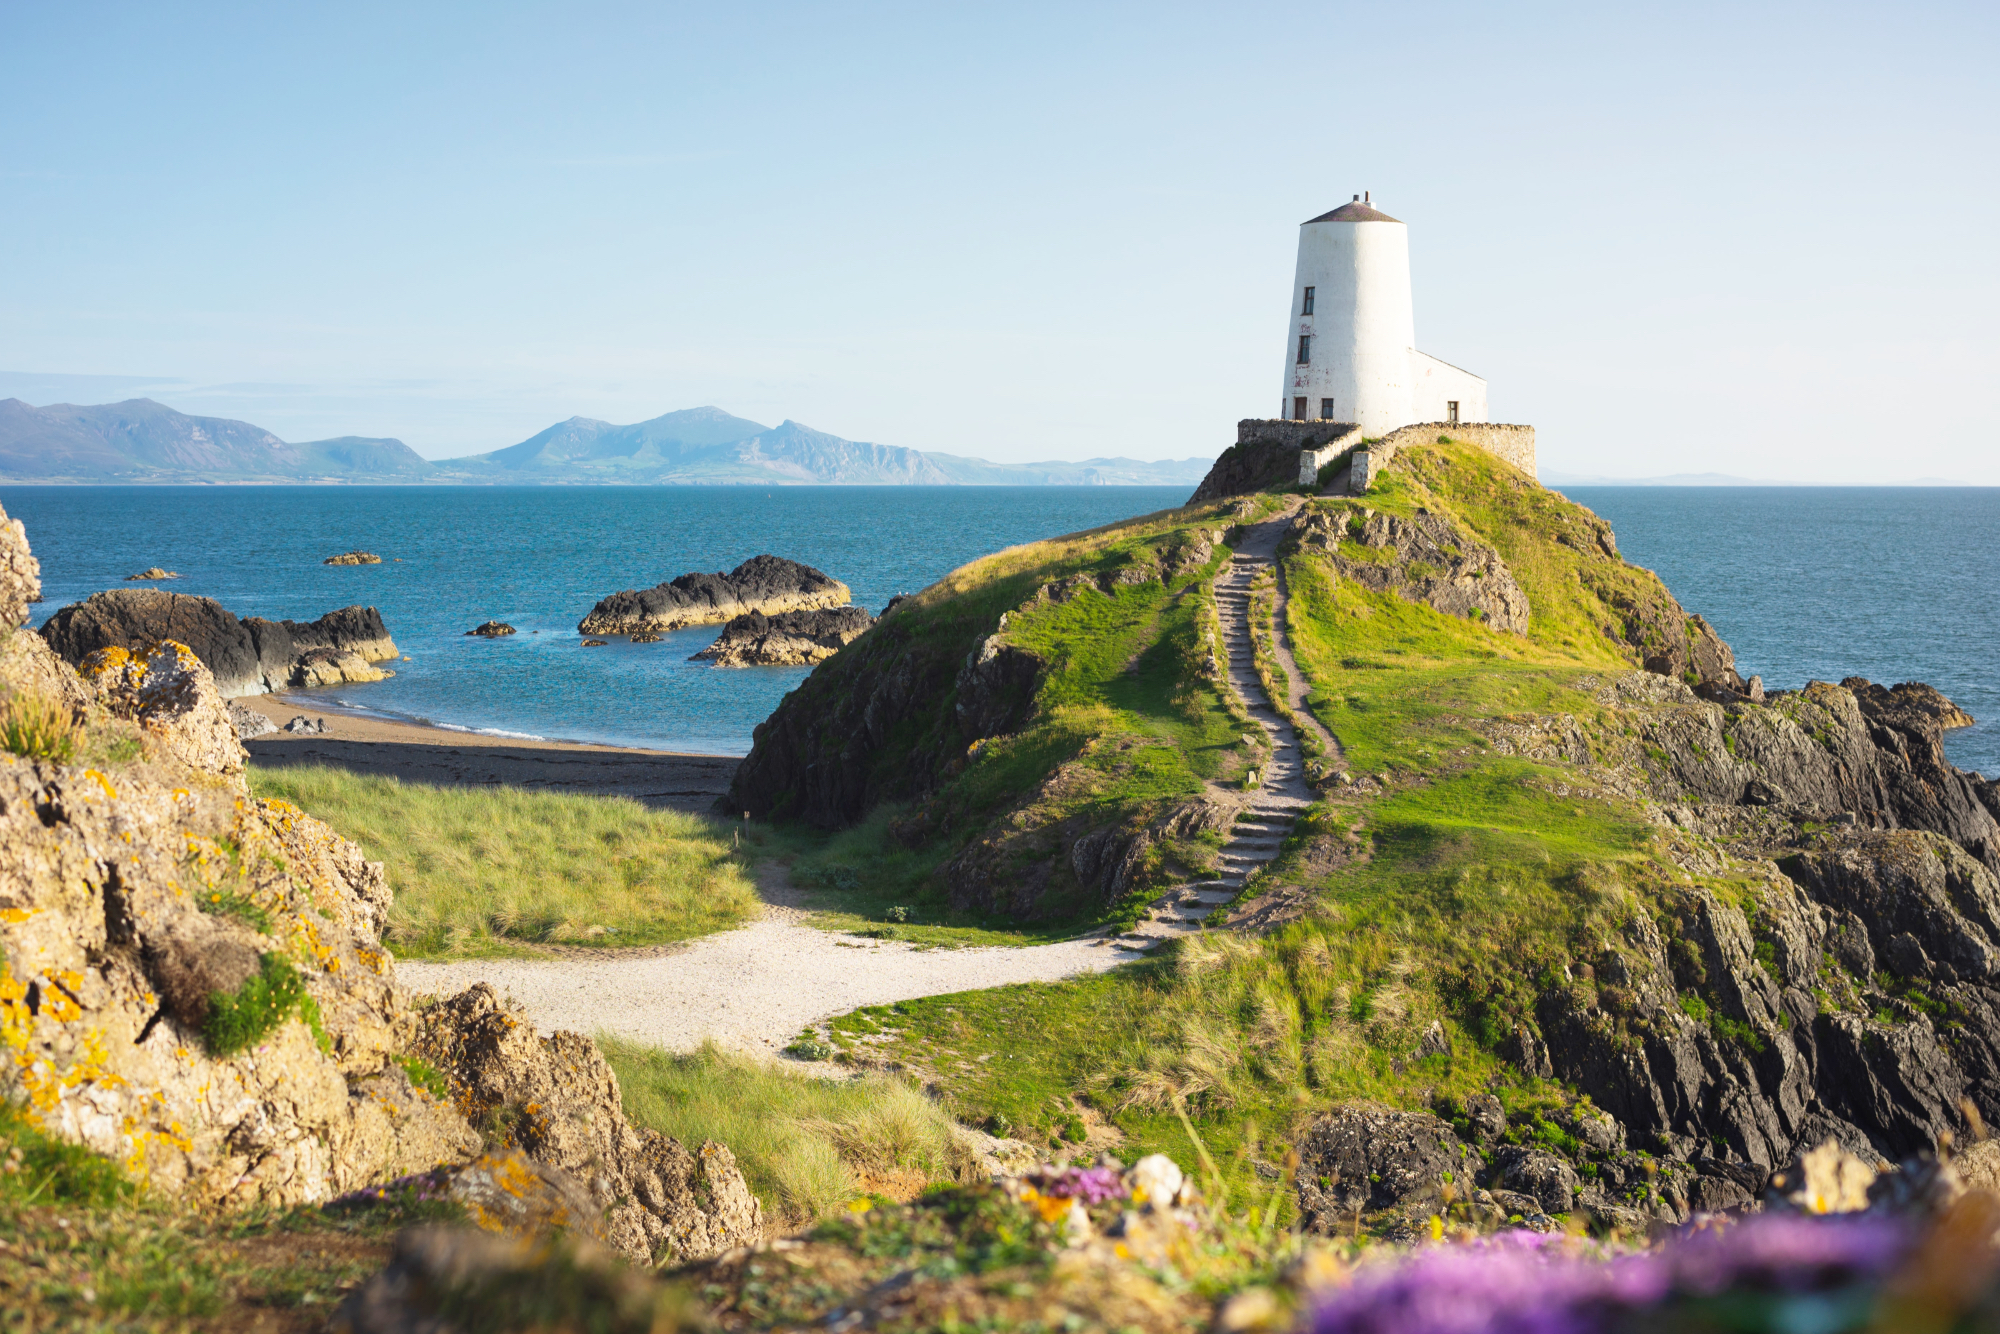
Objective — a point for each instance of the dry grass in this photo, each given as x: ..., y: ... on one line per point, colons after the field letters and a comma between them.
x: 37, y: 728
x: 480, y: 872
x: 807, y: 1146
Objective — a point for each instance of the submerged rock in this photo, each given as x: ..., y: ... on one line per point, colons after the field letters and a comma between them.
x: 790, y: 638
x: 248, y: 657
x: 767, y: 584
x: 491, y: 629
x: 353, y: 558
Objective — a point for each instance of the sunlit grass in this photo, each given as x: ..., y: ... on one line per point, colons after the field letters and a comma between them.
x: 485, y: 871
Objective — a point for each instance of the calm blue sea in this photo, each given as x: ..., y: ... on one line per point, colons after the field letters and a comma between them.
x: 538, y: 558
x: 1818, y: 583
x: 1895, y: 584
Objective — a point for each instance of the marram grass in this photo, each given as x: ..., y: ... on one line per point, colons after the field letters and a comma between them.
x: 485, y: 871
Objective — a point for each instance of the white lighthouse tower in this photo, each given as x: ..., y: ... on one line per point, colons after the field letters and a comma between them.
x: 1351, y: 351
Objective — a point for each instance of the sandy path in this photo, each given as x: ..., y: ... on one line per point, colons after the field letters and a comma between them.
x: 754, y: 988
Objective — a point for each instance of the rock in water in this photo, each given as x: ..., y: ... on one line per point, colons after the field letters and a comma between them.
x: 247, y: 657
x: 154, y: 573
x: 353, y: 558
x: 790, y: 638
x: 766, y: 584
x: 491, y: 629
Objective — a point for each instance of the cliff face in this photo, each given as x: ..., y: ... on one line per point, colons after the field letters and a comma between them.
x: 246, y: 657
x: 766, y: 584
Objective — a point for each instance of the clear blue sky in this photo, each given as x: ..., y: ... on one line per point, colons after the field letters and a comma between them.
x: 1753, y: 239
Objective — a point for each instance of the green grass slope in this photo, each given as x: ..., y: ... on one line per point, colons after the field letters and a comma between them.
x: 1434, y: 892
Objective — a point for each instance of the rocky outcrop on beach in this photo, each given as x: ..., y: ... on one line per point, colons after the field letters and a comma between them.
x: 766, y: 584
x: 791, y: 638
x: 248, y: 722
x: 353, y: 558
x: 192, y: 983
x: 155, y: 572
x: 247, y: 657
x: 491, y: 629
x: 1423, y: 558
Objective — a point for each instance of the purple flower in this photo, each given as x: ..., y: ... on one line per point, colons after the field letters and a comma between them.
x: 1092, y: 1185
x: 1522, y: 1283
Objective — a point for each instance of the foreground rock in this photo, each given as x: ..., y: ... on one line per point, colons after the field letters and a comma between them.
x: 791, y: 638
x: 192, y: 984
x: 247, y: 657
x: 767, y: 584
x: 353, y: 558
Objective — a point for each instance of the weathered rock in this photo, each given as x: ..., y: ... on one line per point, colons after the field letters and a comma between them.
x: 169, y: 692
x: 791, y: 638
x: 1536, y: 1173
x: 353, y: 558
x: 247, y: 657
x: 557, y: 1100
x: 767, y: 584
x: 596, y: 643
x: 332, y: 667
x: 20, y: 573
x: 459, y: 1281
x: 155, y: 572
x: 1362, y: 1157
x: 248, y: 722
x: 302, y: 723
x: 1423, y: 558
x: 1243, y: 468
x: 491, y: 629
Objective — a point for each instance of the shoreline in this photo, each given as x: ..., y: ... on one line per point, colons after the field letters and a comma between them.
x: 423, y: 753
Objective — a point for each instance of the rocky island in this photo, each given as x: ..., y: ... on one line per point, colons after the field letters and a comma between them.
x: 251, y: 656
x: 766, y: 584
x: 353, y: 558
x: 789, y: 639
x: 151, y: 572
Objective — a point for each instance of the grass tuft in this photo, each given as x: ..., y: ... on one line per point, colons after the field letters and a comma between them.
x: 38, y: 728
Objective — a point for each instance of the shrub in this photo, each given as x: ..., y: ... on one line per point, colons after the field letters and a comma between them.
x: 241, y: 1019
x: 38, y: 728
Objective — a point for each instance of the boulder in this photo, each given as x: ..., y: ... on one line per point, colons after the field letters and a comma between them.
x: 247, y: 657
x: 767, y: 584
x: 249, y: 723
x: 557, y: 1100
x: 168, y: 691
x: 153, y: 573
x: 1362, y: 1157
x: 791, y: 638
x: 353, y: 558
x: 491, y: 629
x: 1537, y: 1173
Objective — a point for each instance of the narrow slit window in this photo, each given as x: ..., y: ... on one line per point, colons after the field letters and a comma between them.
x: 1305, y: 348
x: 1451, y: 412
x: 1326, y: 409
x: 1307, y: 308
x: 1299, y: 409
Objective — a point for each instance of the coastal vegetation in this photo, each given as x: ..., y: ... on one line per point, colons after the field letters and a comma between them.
x: 484, y: 872
x: 807, y: 1145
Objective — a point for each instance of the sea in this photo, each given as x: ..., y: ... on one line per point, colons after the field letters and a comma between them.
x: 1806, y: 583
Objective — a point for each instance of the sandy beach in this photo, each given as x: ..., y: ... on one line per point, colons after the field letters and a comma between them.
x: 420, y: 754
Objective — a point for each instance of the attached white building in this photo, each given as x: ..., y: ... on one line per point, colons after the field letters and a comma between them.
x: 1351, y: 354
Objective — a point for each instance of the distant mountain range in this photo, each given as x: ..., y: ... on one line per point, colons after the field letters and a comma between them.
x: 144, y: 441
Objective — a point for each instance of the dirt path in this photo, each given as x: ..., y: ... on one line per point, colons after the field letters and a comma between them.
x: 1260, y: 830
x: 754, y: 988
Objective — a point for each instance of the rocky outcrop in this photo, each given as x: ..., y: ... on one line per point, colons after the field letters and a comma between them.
x: 249, y: 723
x: 491, y: 629
x: 557, y: 1100
x: 247, y: 657
x: 169, y: 692
x: 353, y: 558
x: 1364, y: 1158
x: 767, y: 584
x: 789, y: 639
x: 1258, y: 465
x: 1423, y: 558
x: 153, y: 572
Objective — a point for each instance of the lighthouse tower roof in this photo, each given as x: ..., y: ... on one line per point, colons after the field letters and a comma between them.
x: 1354, y: 212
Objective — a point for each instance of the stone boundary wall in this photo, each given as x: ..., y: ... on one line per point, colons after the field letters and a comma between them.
x: 1319, y: 442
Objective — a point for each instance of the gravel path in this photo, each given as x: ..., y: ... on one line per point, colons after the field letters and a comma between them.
x: 754, y: 988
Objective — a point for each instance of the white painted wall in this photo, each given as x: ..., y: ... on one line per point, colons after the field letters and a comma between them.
x: 1363, y: 329
x: 1362, y: 324
x: 1434, y: 384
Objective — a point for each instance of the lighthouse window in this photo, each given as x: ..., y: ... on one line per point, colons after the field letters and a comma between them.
x: 1309, y: 302
x: 1305, y: 348
x: 1326, y: 409
x: 1451, y: 412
